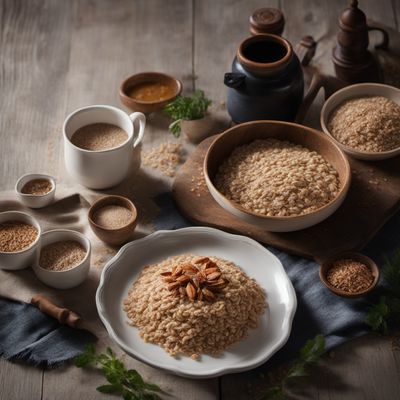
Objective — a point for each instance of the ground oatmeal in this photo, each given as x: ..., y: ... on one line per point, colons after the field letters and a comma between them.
x: 38, y: 187
x: 112, y: 216
x: 277, y: 178
x: 369, y: 124
x: 99, y: 136
x: 193, y: 328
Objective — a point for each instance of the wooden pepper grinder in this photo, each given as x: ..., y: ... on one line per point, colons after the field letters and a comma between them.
x: 352, y: 60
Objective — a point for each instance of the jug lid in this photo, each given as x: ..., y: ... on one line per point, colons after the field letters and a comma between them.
x: 267, y: 20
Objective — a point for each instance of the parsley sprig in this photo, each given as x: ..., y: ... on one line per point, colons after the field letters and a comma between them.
x: 309, y: 354
x: 186, y: 108
x: 127, y: 383
x: 387, y: 310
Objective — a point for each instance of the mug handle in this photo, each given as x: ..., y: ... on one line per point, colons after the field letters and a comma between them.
x: 142, y: 123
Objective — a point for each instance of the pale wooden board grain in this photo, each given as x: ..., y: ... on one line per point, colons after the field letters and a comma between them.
x: 57, y: 56
x: 34, y: 43
x: 19, y: 382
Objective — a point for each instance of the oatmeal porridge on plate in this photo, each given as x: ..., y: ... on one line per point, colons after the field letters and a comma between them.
x: 172, y: 307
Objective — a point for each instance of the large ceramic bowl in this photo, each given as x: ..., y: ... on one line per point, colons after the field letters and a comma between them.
x: 351, y: 92
x: 245, y: 133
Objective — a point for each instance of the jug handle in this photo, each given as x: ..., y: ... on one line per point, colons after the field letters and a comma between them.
x: 142, y: 124
x: 330, y: 84
x: 234, y: 79
x: 385, y: 40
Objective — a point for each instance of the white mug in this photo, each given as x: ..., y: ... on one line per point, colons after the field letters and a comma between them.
x: 105, y: 168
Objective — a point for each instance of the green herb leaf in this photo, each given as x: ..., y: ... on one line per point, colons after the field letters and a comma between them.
x: 387, y: 311
x: 378, y: 314
x: 110, y: 388
x: 127, y: 383
x: 186, y: 108
x: 313, y: 350
x: 309, y: 354
x: 274, y: 393
x: 86, y: 358
x: 391, y: 274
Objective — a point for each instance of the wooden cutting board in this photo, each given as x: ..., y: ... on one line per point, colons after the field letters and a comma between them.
x: 374, y: 196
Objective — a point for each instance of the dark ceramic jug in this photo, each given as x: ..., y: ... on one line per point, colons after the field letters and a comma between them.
x: 266, y: 81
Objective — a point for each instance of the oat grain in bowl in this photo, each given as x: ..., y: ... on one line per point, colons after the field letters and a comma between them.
x: 37, y: 187
x: 277, y: 178
x: 349, y: 275
x: 16, y: 236
x: 62, y: 255
x: 370, y: 124
x: 169, y: 306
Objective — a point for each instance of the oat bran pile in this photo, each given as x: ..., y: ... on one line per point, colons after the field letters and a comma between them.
x: 196, y: 327
x: 277, y: 178
x: 369, y: 124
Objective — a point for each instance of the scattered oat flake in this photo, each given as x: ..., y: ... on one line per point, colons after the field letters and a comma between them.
x: 164, y: 158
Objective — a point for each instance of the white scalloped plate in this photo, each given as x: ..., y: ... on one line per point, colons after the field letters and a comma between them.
x: 259, y: 263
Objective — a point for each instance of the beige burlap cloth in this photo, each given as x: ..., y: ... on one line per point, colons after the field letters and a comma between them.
x: 68, y: 211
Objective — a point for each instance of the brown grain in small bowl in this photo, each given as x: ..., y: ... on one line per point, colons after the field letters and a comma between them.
x: 114, y: 236
x: 147, y: 77
x: 326, y: 265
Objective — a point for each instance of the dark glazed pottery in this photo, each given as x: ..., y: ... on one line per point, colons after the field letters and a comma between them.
x: 266, y: 81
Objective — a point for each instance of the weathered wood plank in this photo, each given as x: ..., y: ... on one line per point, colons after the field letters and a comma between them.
x: 34, y: 43
x: 18, y: 381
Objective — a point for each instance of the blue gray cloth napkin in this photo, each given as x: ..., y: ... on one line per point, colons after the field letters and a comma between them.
x: 29, y: 335
x: 318, y: 311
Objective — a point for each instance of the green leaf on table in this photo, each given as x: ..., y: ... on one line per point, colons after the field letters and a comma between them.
x: 127, y: 383
x: 377, y: 315
x: 110, y: 388
x: 391, y: 274
x: 87, y: 357
x: 274, y: 393
x: 152, y: 387
x: 309, y: 354
x: 313, y: 349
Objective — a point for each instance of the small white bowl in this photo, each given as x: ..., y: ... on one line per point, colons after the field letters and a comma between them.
x: 35, y: 200
x: 24, y: 258
x: 351, y: 92
x: 71, y: 277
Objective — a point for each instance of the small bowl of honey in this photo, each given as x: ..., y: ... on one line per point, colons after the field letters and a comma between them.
x: 149, y: 92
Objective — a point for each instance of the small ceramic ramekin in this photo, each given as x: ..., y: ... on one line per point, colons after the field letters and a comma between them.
x: 327, y: 264
x: 35, y: 200
x: 71, y: 277
x: 24, y: 258
x: 113, y: 236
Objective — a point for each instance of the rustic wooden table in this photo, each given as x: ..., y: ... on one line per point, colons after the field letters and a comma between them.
x: 60, y: 55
